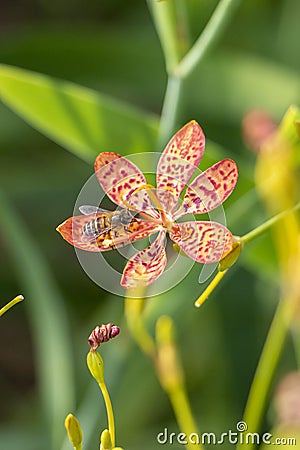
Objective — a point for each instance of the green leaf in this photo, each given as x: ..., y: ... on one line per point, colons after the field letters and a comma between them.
x: 49, y: 322
x: 81, y: 120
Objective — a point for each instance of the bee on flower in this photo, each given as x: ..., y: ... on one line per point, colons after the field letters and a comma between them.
x: 145, y: 210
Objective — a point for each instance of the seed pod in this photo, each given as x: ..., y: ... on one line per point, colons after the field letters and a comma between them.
x: 102, y: 334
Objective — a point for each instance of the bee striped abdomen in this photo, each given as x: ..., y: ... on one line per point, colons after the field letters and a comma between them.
x: 97, y: 226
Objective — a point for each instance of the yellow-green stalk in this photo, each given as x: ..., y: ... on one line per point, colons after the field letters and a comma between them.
x: 10, y: 304
x: 96, y: 367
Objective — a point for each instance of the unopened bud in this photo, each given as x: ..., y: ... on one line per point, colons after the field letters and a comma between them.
x: 74, y: 430
x: 103, y: 334
x: 257, y: 126
x: 96, y: 366
x: 231, y: 257
x: 105, y: 440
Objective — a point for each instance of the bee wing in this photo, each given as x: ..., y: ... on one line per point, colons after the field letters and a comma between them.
x: 89, y: 209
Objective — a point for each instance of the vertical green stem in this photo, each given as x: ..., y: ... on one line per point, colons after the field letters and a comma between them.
x: 135, y: 321
x: 296, y: 340
x: 184, y: 417
x: 169, y: 110
x: 110, y: 414
x: 175, y: 389
x: 265, y: 370
x: 164, y: 17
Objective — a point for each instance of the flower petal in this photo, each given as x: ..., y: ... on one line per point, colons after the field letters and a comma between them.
x: 117, y: 175
x: 71, y: 231
x: 210, y: 189
x: 178, y: 162
x: 147, y: 265
x: 205, y: 242
x: 140, y: 201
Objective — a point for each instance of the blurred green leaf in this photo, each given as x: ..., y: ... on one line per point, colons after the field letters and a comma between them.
x: 229, y: 84
x: 47, y: 314
x: 82, y: 120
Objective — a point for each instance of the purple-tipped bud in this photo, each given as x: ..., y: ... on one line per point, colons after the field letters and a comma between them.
x: 257, y: 127
x: 102, y: 334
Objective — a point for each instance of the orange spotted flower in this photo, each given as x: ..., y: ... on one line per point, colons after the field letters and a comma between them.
x: 145, y: 210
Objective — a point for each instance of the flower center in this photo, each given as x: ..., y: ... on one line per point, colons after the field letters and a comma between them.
x: 165, y: 218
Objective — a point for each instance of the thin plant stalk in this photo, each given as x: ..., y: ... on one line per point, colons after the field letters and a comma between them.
x: 169, y: 110
x: 267, y: 225
x: 10, y: 304
x: 266, y: 367
x: 208, y: 38
x: 179, y: 68
x: 210, y: 288
x: 110, y: 414
x: 184, y: 416
x: 134, y: 306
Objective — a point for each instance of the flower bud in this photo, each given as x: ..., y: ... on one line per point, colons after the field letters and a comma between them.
x: 96, y: 366
x: 231, y: 257
x: 257, y: 127
x: 74, y: 430
x: 103, y: 334
x: 105, y: 440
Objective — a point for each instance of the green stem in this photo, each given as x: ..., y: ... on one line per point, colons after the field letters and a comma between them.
x: 210, y: 288
x: 165, y: 22
x: 164, y: 17
x: 265, y: 370
x: 268, y: 224
x: 134, y: 304
x: 296, y: 340
x: 9, y: 305
x: 183, y: 27
x: 208, y: 38
x: 110, y: 414
x: 184, y: 416
x: 169, y: 110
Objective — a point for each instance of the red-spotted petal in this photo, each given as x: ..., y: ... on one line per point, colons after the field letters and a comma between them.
x: 205, y: 242
x: 140, y: 201
x: 147, y: 265
x: 117, y: 175
x: 72, y: 231
x: 210, y: 189
x: 178, y: 162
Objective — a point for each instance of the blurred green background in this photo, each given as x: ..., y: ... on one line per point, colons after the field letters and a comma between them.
x: 112, y: 47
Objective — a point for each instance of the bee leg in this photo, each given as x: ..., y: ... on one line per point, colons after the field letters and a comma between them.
x: 127, y: 229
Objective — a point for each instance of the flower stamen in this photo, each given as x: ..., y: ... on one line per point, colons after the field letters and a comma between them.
x: 141, y: 213
x: 148, y: 188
